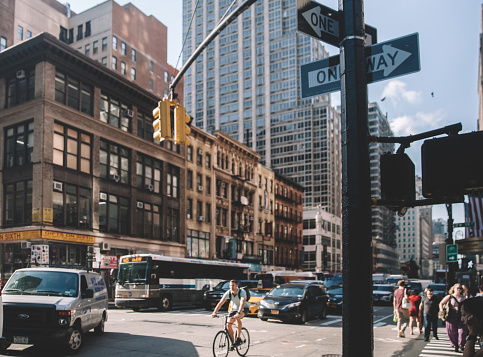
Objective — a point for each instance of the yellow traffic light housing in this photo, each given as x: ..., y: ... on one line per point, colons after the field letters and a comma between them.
x: 182, y: 125
x: 162, y: 124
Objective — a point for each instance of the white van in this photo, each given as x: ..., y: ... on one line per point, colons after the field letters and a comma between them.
x: 43, y: 304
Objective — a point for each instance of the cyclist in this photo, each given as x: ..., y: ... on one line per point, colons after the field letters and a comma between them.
x: 237, y: 298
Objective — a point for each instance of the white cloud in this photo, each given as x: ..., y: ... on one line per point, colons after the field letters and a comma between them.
x: 411, y: 125
x: 396, y: 91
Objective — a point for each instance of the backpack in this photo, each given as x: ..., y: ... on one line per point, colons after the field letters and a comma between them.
x: 247, y: 292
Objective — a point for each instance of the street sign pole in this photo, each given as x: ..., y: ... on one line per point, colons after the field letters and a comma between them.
x: 451, y: 267
x: 357, y: 318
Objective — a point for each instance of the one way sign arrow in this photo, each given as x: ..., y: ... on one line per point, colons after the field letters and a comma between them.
x: 383, y: 61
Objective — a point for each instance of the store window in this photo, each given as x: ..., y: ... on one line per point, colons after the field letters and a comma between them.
x: 145, y: 126
x: 198, y: 244
x: 19, y: 144
x: 113, y: 214
x: 73, y: 93
x: 17, y: 204
x: 71, y: 206
x: 116, y: 113
x: 20, y: 87
x: 148, y: 220
x: 114, y: 162
x: 172, y: 225
x: 61, y: 254
x: 148, y: 174
x: 72, y: 148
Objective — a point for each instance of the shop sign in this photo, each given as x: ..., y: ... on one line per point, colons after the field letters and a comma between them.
x: 39, y: 255
x: 266, y: 237
x: 19, y: 235
x: 108, y: 261
x: 69, y: 237
x: 48, y: 216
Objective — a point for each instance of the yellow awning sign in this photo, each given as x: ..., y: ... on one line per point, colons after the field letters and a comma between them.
x: 43, y: 234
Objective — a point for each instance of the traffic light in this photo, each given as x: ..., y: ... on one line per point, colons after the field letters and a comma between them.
x: 182, y: 125
x: 398, y: 182
x: 162, y: 124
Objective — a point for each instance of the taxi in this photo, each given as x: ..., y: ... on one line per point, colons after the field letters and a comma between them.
x: 256, y: 295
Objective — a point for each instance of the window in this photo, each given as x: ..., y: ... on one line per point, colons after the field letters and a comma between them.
x: 208, y: 213
x: 166, y: 76
x: 88, y: 29
x: 21, y: 87
x: 198, y: 244
x: 148, y: 174
x: 208, y: 185
x: 19, y: 143
x: 145, y: 126
x: 72, y: 206
x: 80, y: 34
x: 189, y: 153
x: 114, y: 63
x: 17, y: 205
x: 95, y: 47
x: 189, y: 208
x: 123, y: 48
x: 88, y: 50
x: 189, y: 179
x: 208, y: 161
x: 151, y: 65
x: 72, y: 148
x: 74, y: 93
x: 104, y: 44
x: 114, y: 162
x: 199, y: 157
x: 113, y: 214
x: 20, y: 32
x: 172, y: 181
x: 172, y: 225
x: 123, y: 68
x: 151, y: 84
x: 133, y: 74
x: 104, y: 61
x: 116, y: 113
x: 199, y: 208
x: 133, y: 55
x: 3, y: 43
x: 29, y: 34
x: 114, y: 42
x: 63, y: 35
x: 148, y: 220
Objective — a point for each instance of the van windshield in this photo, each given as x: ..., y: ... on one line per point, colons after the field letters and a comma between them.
x: 46, y: 283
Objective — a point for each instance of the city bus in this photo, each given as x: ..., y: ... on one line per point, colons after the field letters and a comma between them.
x: 273, y: 278
x: 149, y: 280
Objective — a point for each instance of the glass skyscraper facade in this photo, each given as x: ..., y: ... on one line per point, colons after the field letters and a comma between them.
x: 246, y: 83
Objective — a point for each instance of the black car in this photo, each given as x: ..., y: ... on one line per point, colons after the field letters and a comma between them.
x: 335, y: 298
x: 414, y: 285
x: 439, y: 290
x: 294, y: 302
x: 212, y: 297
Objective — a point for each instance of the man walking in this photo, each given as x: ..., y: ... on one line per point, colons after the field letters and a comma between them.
x: 399, y: 295
x: 430, y: 307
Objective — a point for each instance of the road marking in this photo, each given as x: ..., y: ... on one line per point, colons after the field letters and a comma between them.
x: 300, y: 346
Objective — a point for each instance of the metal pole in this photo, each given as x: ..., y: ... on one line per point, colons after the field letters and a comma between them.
x: 357, y: 316
x: 451, y: 267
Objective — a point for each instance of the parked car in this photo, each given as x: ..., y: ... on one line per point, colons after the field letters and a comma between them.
x: 383, y: 293
x: 53, y: 305
x: 334, y: 280
x: 212, y: 297
x: 439, y: 290
x: 335, y: 298
x: 294, y: 302
x: 256, y: 295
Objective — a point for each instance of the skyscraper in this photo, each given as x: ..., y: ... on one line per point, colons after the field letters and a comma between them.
x: 246, y: 83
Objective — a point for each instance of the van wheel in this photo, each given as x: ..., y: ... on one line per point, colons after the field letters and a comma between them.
x: 166, y: 303
x: 99, y: 329
x: 74, y: 344
x: 303, y: 317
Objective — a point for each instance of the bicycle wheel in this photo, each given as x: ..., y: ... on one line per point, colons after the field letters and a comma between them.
x: 242, y: 349
x: 221, y: 344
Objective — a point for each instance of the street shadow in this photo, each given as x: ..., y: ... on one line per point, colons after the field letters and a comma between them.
x: 112, y: 344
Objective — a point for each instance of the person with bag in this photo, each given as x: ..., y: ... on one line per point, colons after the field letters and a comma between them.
x: 429, y: 307
x: 455, y: 328
x: 414, y: 311
x: 472, y: 317
x: 400, y: 296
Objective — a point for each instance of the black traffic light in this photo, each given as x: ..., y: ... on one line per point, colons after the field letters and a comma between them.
x: 398, y: 183
x: 452, y: 165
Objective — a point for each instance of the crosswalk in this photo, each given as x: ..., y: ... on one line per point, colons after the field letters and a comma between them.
x: 439, y: 348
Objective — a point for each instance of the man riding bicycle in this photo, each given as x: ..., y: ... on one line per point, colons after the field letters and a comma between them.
x: 236, y: 311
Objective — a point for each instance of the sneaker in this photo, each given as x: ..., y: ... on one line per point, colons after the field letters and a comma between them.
x: 401, y: 334
x: 238, y: 342
x: 436, y: 337
x: 426, y: 339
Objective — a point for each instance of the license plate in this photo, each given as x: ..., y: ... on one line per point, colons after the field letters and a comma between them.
x: 275, y: 312
x: 24, y: 340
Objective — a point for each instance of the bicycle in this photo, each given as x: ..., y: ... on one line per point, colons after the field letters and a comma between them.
x: 222, y: 341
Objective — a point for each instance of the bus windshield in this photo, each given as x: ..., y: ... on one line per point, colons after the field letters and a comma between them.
x: 132, y: 273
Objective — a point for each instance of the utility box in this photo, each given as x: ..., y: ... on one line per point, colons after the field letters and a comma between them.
x: 398, y: 182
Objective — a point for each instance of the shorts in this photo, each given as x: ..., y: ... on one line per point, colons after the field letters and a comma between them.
x: 233, y: 313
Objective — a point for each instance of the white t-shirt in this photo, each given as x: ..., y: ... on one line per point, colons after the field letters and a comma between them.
x: 235, y: 299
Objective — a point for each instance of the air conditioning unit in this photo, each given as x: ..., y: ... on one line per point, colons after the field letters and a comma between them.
x: 201, y: 218
x: 139, y: 205
x: 200, y: 188
x: 105, y: 246
x: 200, y: 151
x: 20, y: 74
x: 114, y: 177
x: 25, y: 245
x: 57, y: 186
x: 128, y: 113
x: 103, y: 196
x: 149, y: 187
x: 261, y: 208
x: 188, y: 216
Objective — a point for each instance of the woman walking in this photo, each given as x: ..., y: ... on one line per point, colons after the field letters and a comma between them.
x: 414, y: 311
x: 455, y: 328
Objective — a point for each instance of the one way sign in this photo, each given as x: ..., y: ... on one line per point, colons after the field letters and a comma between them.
x: 384, y: 60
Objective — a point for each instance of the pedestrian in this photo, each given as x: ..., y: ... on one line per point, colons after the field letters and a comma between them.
x: 480, y: 290
x: 429, y: 307
x: 399, y: 294
x: 414, y: 311
x: 455, y: 328
x: 472, y: 317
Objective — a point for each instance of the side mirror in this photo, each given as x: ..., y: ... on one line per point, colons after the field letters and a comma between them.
x: 87, y: 294
x: 205, y: 287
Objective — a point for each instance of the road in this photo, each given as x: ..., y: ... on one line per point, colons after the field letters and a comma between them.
x: 190, y: 332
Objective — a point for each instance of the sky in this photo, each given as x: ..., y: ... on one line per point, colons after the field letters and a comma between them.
x: 442, y: 93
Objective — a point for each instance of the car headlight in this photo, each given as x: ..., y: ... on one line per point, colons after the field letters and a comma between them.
x: 263, y: 303
x: 290, y: 306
